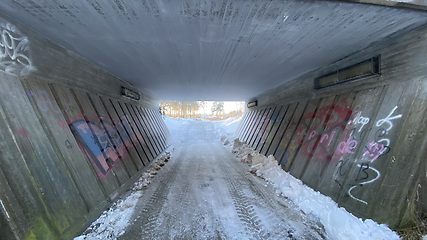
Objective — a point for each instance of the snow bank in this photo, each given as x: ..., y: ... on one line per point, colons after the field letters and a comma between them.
x: 227, y: 129
x: 113, y: 222
x: 339, y: 224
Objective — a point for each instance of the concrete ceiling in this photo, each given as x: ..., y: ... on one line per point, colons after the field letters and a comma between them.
x: 210, y: 49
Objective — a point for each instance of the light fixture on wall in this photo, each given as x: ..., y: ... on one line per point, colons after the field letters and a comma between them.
x: 365, y: 69
x: 252, y: 104
x: 126, y: 92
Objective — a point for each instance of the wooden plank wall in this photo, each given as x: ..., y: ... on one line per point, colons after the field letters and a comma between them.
x: 352, y: 147
x: 362, y: 143
x: 67, y: 154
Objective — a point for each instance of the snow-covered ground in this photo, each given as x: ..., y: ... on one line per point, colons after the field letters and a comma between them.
x: 337, y: 222
x: 112, y: 223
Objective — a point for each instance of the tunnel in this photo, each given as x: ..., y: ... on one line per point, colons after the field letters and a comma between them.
x: 334, y: 99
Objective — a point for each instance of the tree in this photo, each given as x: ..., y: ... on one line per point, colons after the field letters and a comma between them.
x: 217, y: 107
x: 202, y: 104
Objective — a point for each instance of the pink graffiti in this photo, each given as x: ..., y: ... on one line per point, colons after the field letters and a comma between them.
x: 374, y: 150
x: 61, y: 124
x: 347, y: 146
x: 319, y: 143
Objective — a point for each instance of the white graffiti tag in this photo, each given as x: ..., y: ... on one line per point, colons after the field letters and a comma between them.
x: 388, y: 119
x: 359, y: 119
x: 374, y: 150
x: 14, y: 50
x: 363, y: 183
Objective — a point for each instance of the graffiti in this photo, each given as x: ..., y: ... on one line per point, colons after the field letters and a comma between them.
x: 269, y: 123
x: 23, y: 132
x: 45, y: 104
x: 319, y: 144
x: 4, y: 209
x: 101, y: 143
x: 359, y: 119
x: 362, y: 174
x: 364, y: 168
x: 14, y: 50
x: 68, y: 144
x: 347, y: 146
x: 388, y: 119
x: 375, y: 149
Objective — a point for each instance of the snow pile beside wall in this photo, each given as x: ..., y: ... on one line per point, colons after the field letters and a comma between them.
x: 113, y: 222
x: 228, y: 128
x: 339, y: 224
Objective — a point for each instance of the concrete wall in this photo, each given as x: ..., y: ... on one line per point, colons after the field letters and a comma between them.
x: 362, y: 143
x: 70, y: 144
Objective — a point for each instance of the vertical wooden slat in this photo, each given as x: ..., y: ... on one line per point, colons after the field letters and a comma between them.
x: 124, y: 132
x: 113, y: 133
x: 276, y: 125
x: 152, y: 129
x: 241, y: 124
x: 163, y: 130
x: 251, y: 125
x: 263, y: 127
x: 49, y: 171
x: 300, y: 131
x: 248, y: 121
x: 254, y: 126
x: 138, y: 136
x: 258, y: 126
x: 157, y: 121
x: 268, y: 128
x: 162, y: 123
x: 140, y: 126
x: 349, y: 146
x: 326, y: 136
x: 85, y: 139
x: 405, y: 160
x: 52, y: 114
x: 317, y: 121
x: 27, y: 197
x: 379, y: 149
x: 102, y: 143
x: 133, y: 136
x: 275, y: 148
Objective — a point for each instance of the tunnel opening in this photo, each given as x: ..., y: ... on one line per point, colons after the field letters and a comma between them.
x: 81, y: 131
x: 202, y: 110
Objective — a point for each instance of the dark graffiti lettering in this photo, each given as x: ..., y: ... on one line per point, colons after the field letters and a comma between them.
x: 362, y: 170
x: 101, y: 143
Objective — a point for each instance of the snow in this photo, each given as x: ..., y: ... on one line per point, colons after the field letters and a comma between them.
x: 113, y: 222
x: 338, y: 223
